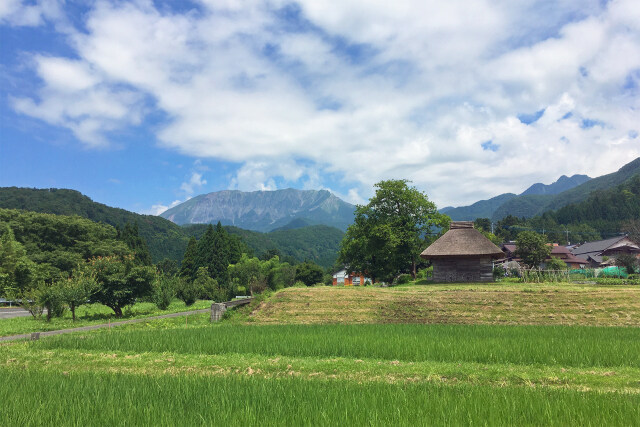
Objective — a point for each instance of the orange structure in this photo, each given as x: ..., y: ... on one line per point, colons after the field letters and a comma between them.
x: 345, y: 278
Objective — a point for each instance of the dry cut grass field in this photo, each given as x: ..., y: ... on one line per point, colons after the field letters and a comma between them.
x: 521, y: 304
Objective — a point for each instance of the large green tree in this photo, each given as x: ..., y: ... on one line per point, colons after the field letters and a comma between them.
x: 16, y: 270
x: 309, y: 273
x: 121, y: 281
x: 532, y: 248
x: 389, y: 232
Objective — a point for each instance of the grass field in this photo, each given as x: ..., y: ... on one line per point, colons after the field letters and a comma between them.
x: 512, y: 304
x: 91, y: 314
x: 246, y: 371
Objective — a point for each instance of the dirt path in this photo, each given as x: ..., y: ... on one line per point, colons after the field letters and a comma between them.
x: 102, y: 325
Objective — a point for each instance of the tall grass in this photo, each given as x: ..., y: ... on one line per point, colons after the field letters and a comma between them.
x: 544, y: 345
x: 34, y: 399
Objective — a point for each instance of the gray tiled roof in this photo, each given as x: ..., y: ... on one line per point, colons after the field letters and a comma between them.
x: 597, y: 246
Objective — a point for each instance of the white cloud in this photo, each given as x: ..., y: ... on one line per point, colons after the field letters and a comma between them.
x: 194, y: 184
x: 160, y: 208
x: 362, y: 90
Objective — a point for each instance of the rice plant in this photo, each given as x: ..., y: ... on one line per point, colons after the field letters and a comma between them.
x: 545, y: 345
x: 38, y: 398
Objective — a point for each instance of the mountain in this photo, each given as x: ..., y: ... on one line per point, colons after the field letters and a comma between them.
x: 563, y: 183
x: 581, y: 192
x: 481, y: 209
x: 317, y: 243
x: 168, y: 240
x: 264, y: 210
x: 540, y: 198
x: 531, y: 205
x: 296, y: 223
x: 164, y: 238
x: 488, y: 208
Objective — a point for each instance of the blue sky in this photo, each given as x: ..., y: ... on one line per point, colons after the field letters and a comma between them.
x: 143, y: 104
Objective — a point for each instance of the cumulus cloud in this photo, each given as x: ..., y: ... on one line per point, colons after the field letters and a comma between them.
x: 160, y: 208
x: 360, y: 89
x: 193, y: 184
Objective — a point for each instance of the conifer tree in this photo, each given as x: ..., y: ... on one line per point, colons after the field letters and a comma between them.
x: 131, y: 236
x: 189, y: 261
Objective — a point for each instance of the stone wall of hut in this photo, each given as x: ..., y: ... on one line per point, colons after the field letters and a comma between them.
x: 459, y: 269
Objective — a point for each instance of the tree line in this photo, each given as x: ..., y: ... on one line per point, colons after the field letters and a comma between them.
x: 56, y: 262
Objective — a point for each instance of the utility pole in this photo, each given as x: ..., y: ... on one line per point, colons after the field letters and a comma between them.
x: 567, y: 231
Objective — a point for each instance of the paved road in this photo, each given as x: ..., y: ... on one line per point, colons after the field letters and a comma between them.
x: 8, y: 313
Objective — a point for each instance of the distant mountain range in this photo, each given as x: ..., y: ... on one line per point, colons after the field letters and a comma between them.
x: 540, y: 198
x: 264, y: 210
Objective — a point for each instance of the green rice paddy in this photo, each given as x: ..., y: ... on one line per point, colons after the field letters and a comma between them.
x: 172, y: 372
x: 108, y: 399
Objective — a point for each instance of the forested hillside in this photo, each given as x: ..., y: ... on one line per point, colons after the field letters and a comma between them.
x: 604, y: 213
x: 35, y: 245
x: 317, y: 243
x: 164, y: 238
x: 540, y: 198
x: 532, y: 205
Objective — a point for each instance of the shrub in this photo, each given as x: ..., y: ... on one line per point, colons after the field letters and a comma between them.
x: 188, y: 291
x: 164, y: 290
x: 29, y: 300
x: 616, y: 281
x: 425, y: 273
x: 628, y: 261
x: 498, y: 272
x: 556, y: 264
x: 210, y: 289
x: 403, y: 279
x: 51, y: 298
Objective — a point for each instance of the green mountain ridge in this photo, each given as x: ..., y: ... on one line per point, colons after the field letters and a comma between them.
x: 165, y: 239
x: 531, y: 205
x: 540, y: 198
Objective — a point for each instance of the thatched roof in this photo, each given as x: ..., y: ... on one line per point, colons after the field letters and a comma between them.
x: 462, y: 240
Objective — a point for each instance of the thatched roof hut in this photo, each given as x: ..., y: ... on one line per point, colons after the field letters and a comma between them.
x: 462, y: 254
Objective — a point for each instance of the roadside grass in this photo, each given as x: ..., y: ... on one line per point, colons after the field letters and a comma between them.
x: 506, y: 304
x: 91, y: 314
x: 111, y: 399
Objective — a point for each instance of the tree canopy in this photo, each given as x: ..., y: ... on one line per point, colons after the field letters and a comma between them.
x: 390, y: 231
x: 532, y: 248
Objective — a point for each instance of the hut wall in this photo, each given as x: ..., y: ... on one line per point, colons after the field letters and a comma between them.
x: 467, y: 269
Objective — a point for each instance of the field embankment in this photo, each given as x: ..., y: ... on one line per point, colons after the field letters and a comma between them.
x: 512, y: 304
